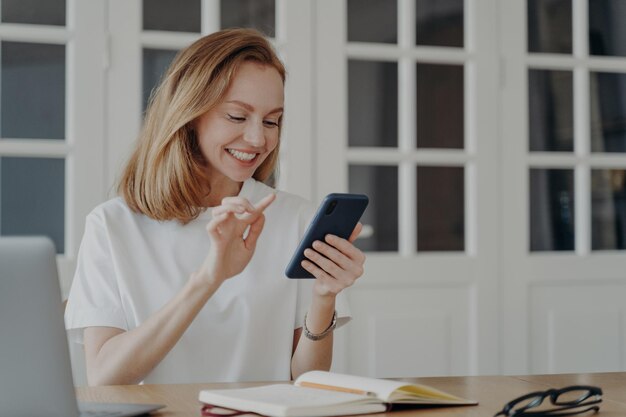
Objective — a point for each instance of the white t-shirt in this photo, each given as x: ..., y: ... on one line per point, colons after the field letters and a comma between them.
x: 129, y: 266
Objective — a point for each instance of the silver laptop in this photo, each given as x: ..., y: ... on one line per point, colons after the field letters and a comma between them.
x: 35, y: 369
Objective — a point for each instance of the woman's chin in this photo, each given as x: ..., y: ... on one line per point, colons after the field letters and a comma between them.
x: 241, y: 176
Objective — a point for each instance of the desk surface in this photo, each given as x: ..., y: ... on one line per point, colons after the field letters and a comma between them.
x: 492, y: 392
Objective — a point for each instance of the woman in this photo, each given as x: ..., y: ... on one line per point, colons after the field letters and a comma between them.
x: 180, y: 279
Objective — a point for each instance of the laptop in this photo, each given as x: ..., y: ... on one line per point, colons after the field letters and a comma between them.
x: 35, y: 369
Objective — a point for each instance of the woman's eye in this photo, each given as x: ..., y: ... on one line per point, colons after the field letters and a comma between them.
x: 270, y: 123
x: 236, y: 118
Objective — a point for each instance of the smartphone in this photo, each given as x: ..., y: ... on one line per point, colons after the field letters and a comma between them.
x: 337, y: 215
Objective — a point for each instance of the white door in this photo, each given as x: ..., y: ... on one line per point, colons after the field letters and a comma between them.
x: 563, y: 186
x: 407, y: 93
x: 489, y: 134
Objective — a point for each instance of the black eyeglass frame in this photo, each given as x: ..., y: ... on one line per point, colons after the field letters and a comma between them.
x: 553, y: 394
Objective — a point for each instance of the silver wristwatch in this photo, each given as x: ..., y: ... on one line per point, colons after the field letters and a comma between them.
x: 319, y: 336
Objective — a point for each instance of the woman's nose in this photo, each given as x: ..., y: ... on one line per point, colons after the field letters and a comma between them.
x: 255, y: 135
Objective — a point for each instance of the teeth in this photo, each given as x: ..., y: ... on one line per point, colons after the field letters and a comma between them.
x: 242, y: 156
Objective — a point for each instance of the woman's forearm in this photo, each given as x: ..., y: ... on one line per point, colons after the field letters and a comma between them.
x: 128, y: 357
x: 315, y: 354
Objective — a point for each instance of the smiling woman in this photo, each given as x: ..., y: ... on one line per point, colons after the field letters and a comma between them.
x: 167, y: 289
x: 236, y: 136
x: 198, y: 86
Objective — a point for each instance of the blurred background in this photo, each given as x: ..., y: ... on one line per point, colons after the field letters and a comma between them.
x: 490, y: 136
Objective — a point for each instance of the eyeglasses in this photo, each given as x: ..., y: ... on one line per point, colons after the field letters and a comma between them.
x: 568, y: 401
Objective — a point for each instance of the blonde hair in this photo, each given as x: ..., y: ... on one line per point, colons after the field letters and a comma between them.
x: 165, y: 177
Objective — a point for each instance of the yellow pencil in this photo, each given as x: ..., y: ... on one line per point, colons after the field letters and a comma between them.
x: 334, y: 388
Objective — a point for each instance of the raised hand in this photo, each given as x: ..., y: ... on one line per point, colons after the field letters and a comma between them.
x: 335, y: 263
x: 234, y: 230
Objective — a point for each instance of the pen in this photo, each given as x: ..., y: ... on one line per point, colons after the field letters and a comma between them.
x: 335, y: 388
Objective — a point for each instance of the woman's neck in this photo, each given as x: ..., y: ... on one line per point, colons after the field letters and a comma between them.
x: 221, y: 188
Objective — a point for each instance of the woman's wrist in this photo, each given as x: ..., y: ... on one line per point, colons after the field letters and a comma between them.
x: 325, y: 300
x: 202, y: 280
x: 320, y: 313
x: 320, y: 335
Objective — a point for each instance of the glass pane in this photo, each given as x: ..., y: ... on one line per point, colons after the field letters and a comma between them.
x: 380, y: 220
x: 439, y: 22
x: 551, y: 209
x: 550, y: 110
x: 257, y: 14
x: 608, y: 209
x: 372, y: 103
x: 440, y: 106
x: 32, y: 198
x: 155, y: 63
x: 440, y: 209
x: 37, y: 12
x: 607, y: 101
x: 33, y: 91
x: 373, y: 21
x: 550, y: 26
x: 606, y: 27
x: 172, y: 15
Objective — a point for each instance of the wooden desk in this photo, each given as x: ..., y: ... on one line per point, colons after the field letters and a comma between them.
x: 492, y: 392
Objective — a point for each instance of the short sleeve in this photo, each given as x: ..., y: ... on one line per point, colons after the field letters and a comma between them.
x: 94, y: 298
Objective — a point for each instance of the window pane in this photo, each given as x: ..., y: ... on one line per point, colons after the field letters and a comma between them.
x: 172, y: 15
x: 32, y: 198
x: 33, y: 91
x: 440, y: 108
x: 608, y: 209
x: 551, y: 209
x: 606, y: 27
x: 550, y: 26
x: 373, y: 21
x: 439, y: 22
x: 372, y: 103
x: 608, y: 112
x: 155, y: 63
x: 37, y: 12
x: 258, y: 14
x: 550, y: 110
x: 380, y: 220
x: 440, y: 209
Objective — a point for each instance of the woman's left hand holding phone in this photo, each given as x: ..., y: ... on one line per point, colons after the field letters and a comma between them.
x: 335, y: 263
x: 231, y: 247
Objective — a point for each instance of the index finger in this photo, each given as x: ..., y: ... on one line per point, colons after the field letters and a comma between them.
x: 238, y: 201
x: 264, y: 203
x: 344, y: 246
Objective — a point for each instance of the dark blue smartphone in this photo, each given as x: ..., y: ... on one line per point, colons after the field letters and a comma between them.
x: 337, y: 215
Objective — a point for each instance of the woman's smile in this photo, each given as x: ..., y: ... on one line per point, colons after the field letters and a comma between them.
x: 242, y: 156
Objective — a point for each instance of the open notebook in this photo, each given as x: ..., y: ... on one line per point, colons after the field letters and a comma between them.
x: 319, y: 393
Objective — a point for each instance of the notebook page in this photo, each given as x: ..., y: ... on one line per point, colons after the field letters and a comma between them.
x: 382, y: 388
x: 278, y: 399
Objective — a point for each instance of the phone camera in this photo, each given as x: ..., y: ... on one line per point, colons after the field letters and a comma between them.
x: 331, y: 207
